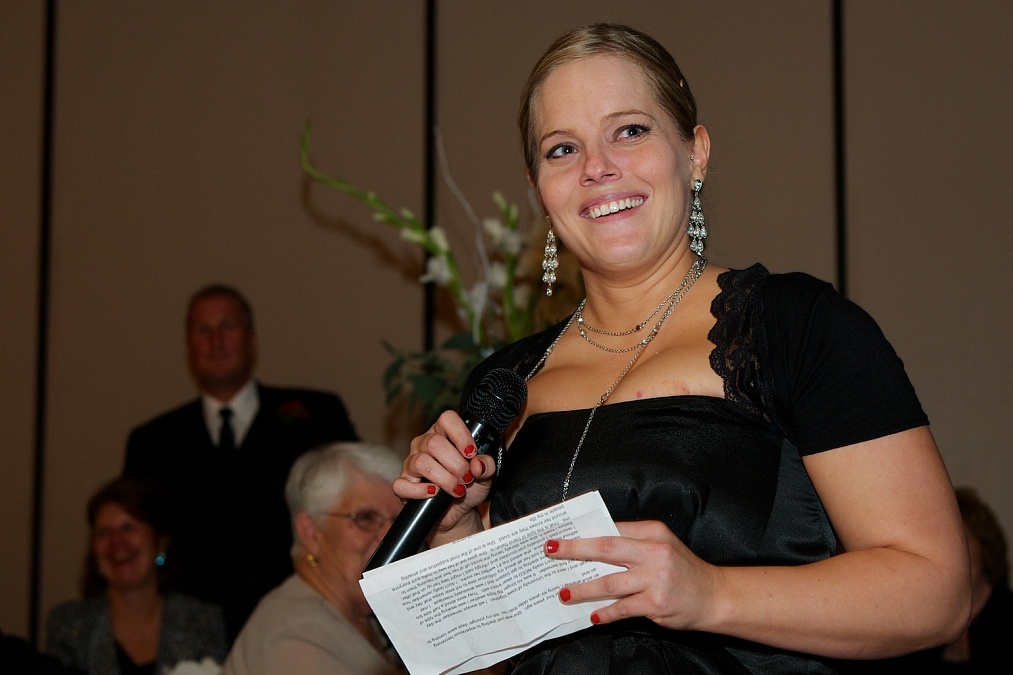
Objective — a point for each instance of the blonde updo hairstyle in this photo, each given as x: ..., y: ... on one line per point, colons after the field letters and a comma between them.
x: 668, y: 86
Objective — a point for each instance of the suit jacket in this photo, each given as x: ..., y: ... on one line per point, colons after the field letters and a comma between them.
x: 79, y: 633
x: 232, y: 533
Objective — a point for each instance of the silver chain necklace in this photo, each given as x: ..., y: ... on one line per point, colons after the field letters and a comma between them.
x: 674, y: 296
x: 672, y: 301
x: 583, y: 325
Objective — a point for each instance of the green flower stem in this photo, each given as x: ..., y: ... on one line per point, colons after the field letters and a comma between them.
x: 432, y: 381
x: 404, y: 221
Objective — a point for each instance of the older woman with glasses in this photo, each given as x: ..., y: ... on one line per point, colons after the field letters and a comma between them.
x: 317, y: 621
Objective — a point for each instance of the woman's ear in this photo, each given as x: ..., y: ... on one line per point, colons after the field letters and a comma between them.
x: 308, y: 532
x: 700, y: 150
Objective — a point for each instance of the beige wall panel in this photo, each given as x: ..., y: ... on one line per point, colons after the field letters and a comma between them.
x: 22, y: 53
x: 177, y: 135
x: 929, y: 101
x: 762, y: 80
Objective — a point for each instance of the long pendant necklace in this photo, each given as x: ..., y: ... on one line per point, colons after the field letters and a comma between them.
x: 672, y: 301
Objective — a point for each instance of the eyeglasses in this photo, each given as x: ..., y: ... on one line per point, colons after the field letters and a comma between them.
x: 368, y: 521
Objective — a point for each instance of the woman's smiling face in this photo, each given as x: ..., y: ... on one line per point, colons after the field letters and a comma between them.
x: 124, y: 548
x: 614, y: 174
x: 345, y: 546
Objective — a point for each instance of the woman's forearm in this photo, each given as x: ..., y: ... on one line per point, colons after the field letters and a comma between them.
x: 868, y: 604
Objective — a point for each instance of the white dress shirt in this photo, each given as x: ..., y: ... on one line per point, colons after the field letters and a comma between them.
x: 244, y: 407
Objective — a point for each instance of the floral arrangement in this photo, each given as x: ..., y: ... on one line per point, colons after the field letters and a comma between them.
x: 496, y: 309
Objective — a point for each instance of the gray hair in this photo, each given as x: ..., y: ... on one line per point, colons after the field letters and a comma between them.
x: 319, y: 477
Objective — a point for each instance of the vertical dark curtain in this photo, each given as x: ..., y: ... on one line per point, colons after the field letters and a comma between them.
x: 429, y: 301
x: 42, y: 338
x: 839, y: 149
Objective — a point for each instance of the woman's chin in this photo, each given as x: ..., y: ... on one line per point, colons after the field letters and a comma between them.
x: 128, y: 582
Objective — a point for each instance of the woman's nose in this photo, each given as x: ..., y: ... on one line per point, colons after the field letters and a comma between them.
x: 598, y: 166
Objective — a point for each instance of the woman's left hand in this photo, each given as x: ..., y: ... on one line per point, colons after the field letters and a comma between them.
x: 664, y: 580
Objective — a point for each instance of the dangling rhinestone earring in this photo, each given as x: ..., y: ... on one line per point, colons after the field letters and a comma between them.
x: 697, y: 229
x: 550, y: 262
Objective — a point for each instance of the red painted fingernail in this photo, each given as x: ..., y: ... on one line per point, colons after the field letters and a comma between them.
x: 469, y: 451
x: 595, y: 618
x: 431, y: 489
x: 551, y: 546
x: 459, y: 490
x: 468, y: 478
x: 564, y: 594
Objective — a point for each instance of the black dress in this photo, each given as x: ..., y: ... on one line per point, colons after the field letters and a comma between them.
x: 726, y: 475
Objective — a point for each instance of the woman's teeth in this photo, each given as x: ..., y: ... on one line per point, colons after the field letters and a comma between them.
x: 614, y: 207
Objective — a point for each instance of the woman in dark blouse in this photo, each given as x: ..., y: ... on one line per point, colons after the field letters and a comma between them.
x: 781, y: 501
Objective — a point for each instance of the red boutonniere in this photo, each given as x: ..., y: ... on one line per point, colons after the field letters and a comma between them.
x: 293, y: 411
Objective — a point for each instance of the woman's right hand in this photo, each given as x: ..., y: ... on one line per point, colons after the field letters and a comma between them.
x: 444, y: 458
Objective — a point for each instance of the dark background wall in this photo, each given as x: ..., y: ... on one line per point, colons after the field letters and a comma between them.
x: 175, y: 163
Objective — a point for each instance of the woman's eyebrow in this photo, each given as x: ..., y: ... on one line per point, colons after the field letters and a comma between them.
x: 609, y: 117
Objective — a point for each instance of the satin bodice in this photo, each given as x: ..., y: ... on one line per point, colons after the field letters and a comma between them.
x: 730, y: 487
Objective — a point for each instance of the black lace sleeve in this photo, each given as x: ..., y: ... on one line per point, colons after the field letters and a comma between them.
x: 795, y: 353
x: 740, y: 340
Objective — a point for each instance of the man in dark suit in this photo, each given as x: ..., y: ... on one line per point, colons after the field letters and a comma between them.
x: 224, y: 457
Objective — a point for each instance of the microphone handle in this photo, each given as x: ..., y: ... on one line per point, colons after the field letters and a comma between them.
x: 414, y: 523
x: 418, y: 517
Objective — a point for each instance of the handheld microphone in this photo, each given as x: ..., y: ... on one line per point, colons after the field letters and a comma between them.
x: 496, y: 401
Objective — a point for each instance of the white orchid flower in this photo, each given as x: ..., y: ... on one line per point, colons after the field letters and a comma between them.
x: 477, y: 297
x: 439, y: 239
x: 414, y: 236
x: 437, y: 271
x: 512, y: 243
x: 497, y: 275
x: 494, y: 228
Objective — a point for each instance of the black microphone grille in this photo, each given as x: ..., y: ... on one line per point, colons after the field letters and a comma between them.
x: 497, y: 399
